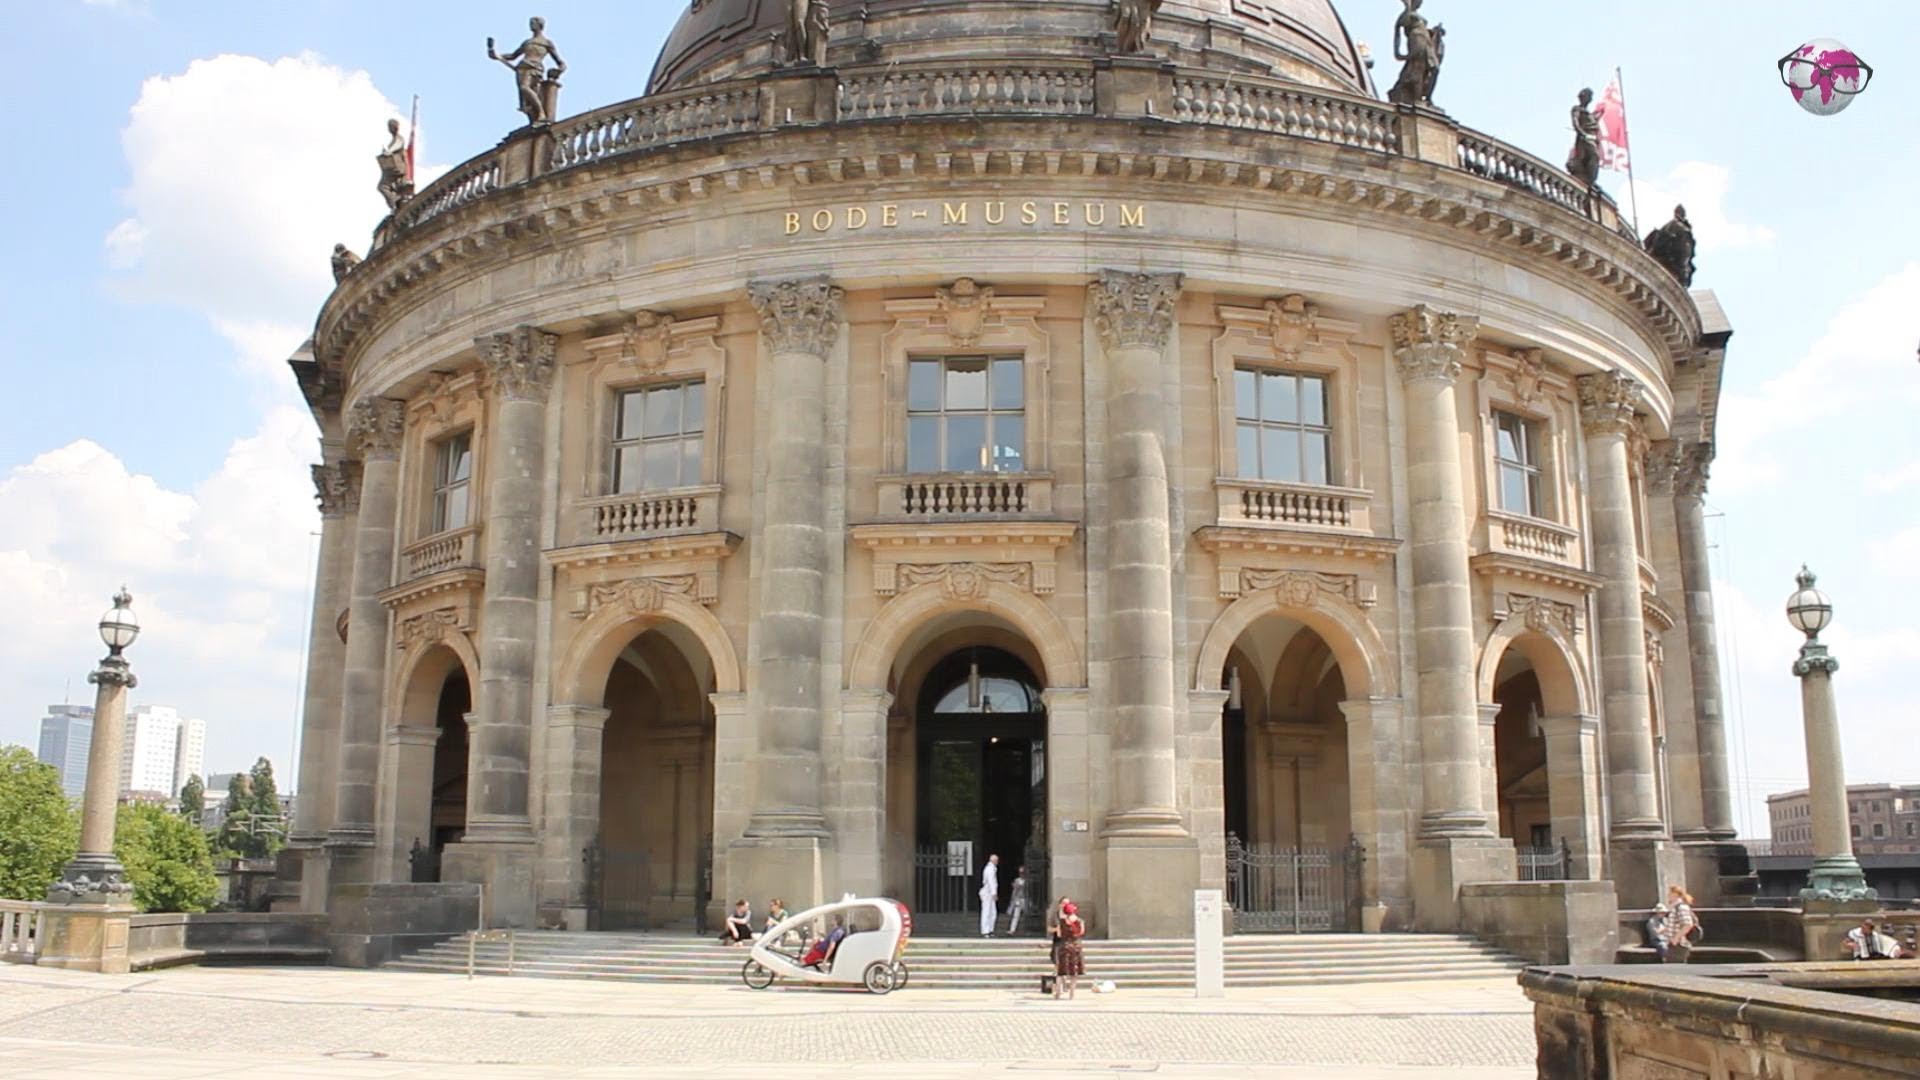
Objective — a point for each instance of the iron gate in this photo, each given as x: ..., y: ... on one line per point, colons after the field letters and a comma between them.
x: 1293, y: 890
x: 619, y: 884
x: 944, y: 882
x: 1545, y: 863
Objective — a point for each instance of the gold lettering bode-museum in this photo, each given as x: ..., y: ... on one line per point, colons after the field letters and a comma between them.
x: 836, y: 459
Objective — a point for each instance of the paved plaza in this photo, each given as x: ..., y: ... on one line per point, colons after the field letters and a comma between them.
x: 317, y: 1022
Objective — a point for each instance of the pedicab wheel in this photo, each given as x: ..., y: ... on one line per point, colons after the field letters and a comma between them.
x: 899, y: 974
x: 879, y: 978
x: 756, y: 975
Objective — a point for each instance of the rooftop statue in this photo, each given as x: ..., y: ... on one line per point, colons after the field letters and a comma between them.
x: 1133, y: 22
x: 395, y: 186
x: 343, y: 262
x: 529, y: 65
x: 1421, y: 50
x: 1671, y: 245
x: 805, y: 38
x: 1583, y: 161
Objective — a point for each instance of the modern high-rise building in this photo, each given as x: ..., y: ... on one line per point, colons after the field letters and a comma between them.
x: 162, y: 749
x: 66, y: 735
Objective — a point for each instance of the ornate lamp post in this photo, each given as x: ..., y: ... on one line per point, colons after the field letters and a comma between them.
x: 87, y: 926
x: 1836, y: 873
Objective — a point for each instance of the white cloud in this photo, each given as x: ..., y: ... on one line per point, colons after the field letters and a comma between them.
x: 1888, y: 481
x: 1702, y: 188
x: 1898, y: 557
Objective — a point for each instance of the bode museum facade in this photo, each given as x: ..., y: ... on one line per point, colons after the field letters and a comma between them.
x: 1105, y: 435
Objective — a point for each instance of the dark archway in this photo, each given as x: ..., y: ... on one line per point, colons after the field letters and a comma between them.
x: 449, y: 813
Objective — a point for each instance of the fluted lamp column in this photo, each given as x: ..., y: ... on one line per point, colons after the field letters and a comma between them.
x: 86, y: 926
x: 1836, y: 873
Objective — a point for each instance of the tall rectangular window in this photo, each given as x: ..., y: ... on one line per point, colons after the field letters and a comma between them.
x: 658, y: 434
x: 966, y: 414
x: 1519, y: 454
x: 452, y: 481
x: 1282, y: 428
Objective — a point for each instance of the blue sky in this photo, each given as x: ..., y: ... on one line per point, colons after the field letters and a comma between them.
x: 184, y: 168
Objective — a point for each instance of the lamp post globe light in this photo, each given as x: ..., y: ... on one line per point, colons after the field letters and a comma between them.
x: 1836, y: 873
x: 95, y: 876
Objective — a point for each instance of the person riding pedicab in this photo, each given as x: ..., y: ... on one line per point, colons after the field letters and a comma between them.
x: 823, y: 948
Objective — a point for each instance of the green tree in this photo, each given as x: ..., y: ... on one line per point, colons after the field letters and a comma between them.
x: 268, y: 823
x: 39, y: 830
x: 166, y: 859
x: 237, y: 838
x: 193, y: 798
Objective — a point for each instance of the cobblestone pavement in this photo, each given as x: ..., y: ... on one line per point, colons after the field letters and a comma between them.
x: 323, y: 1022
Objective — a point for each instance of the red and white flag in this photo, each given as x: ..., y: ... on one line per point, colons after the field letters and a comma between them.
x: 1611, y: 112
x: 413, y: 136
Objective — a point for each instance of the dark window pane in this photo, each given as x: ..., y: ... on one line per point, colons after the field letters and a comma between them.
x: 1009, y: 443
x: 663, y: 412
x: 1009, y: 385
x: 690, y: 461
x: 1316, y: 469
x: 966, y: 443
x: 626, y: 470
x: 1248, y: 451
x: 1313, y: 400
x: 1278, y: 398
x: 923, y: 444
x: 662, y: 465
x: 923, y: 385
x: 630, y: 406
x: 694, y: 418
x: 1534, y: 506
x: 1245, y: 405
x: 1280, y: 454
x: 1530, y: 442
x: 966, y: 384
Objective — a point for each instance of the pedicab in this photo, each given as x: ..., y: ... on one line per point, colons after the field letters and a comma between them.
x: 868, y: 954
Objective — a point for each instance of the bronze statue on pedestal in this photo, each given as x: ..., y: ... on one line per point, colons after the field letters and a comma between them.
x: 530, y: 74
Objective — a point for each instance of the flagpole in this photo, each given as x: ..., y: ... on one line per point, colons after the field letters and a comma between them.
x: 413, y: 134
x: 1633, y: 198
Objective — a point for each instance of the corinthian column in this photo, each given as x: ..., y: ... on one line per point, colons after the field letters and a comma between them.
x: 337, y: 486
x: 1644, y: 861
x: 1151, y: 859
x: 374, y: 429
x: 800, y: 321
x: 1703, y: 654
x: 497, y: 849
x: 1456, y: 843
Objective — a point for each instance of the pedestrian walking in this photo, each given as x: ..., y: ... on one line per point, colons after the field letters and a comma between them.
x: 1069, y: 959
x: 989, y: 895
x: 1017, y: 904
x: 1683, y: 926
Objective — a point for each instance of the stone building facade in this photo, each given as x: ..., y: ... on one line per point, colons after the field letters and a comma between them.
x: 1884, y: 819
x: 800, y: 476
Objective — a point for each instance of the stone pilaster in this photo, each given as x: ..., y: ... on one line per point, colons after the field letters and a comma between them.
x: 1070, y: 762
x: 1152, y: 860
x: 1573, y: 789
x: 1457, y: 844
x: 498, y: 847
x: 575, y: 735
x: 1644, y: 859
x: 734, y: 745
x: 1206, y: 762
x: 787, y: 836
x: 337, y: 486
x: 406, y: 810
x: 860, y: 825
x: 1377, y: 770
x: 374, y: 429
x: 1703, y: 653
x: 1677, y: 749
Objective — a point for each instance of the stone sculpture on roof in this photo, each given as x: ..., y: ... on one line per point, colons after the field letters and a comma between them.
x: 1133, y: 22
x: 1671, y: 245
x: 1583, y: 161
x: 805, y: 39
x: 1415, y: 44
x: 395, y: 187
x: 538, y: 86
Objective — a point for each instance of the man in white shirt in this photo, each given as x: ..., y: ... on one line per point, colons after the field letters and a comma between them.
x: 989, y: 895
x: 1866, y: 942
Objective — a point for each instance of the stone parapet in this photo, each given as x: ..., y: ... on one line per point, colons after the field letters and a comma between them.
x: 1544, y: 922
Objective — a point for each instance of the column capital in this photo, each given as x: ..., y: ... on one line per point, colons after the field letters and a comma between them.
x: 1430, y: 344
x: 1662, y: 467
x: 1134, y: 310
x: 584, y: 717
x: 412, y: 735
x: 1608, y: 403
x: 1814, y: 657
x: 113, y: 671
x: 375, y: 426
x: 519, y: 362
x: 337, y: 487
x: 801, y: 315
x: 1690, y: 475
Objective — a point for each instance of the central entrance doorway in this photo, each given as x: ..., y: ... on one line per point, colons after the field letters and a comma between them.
x: 981, y: 757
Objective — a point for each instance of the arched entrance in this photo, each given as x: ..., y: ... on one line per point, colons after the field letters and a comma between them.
x: 1543, y: 781
x: 427, y: 753
x: 652, y: 859
x: 449, y: 813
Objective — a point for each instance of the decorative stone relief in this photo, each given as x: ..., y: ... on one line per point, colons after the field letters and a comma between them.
x: 799, y: 316
x: 1134, y: 311
x: 966, y: 305
x: 337, y: 487
x: 1300, y: 588
x: 444, y: 395
x: 1430, y: 344
x: 1291, y: 323
x: 1690, y: 476
x: 1608, y: 402
x: 1542, y: 615
x: 641, y: 595
x: 1529, y: 373
x: 1656, y: 652
x: 1664, y: 459
x: 646, y: 340
x: 962, y: 580
x: 428, y: 627
x: 375, y: 426
x: 519, y: 362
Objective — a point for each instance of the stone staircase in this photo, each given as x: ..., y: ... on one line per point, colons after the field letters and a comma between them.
x: 999, y: 963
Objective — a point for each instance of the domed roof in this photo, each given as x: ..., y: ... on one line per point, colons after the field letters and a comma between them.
x: 1303, y: 40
